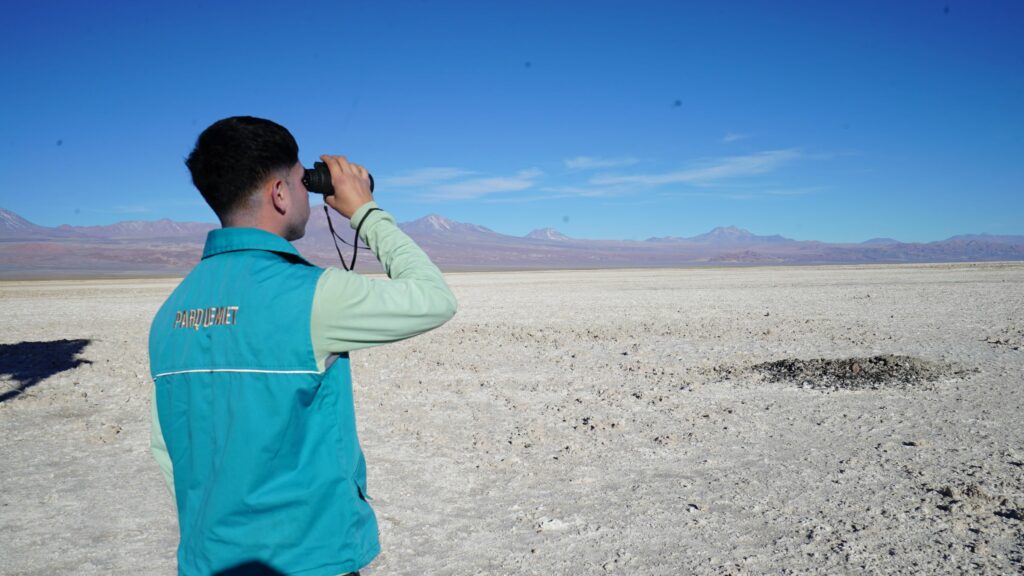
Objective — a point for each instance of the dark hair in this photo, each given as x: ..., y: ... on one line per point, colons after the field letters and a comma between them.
x: 235, y: 155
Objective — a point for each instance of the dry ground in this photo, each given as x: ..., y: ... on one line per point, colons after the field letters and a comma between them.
x: 585, y: 423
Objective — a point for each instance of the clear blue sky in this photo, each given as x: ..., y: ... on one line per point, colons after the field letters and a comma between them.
x: 837, y: 121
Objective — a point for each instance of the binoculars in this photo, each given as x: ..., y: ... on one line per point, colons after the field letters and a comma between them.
x: 318, y: 179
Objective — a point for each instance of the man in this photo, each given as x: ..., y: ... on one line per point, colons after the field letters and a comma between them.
x: 253, y: 419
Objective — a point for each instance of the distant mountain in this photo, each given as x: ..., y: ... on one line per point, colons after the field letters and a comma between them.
x: 169, y: 247
x: 436, y: 225
x: 14, y: 226
x: 547, y: 234
x: 734, y: 236
x: 999, y: 239
x: 164, y: 228
x: 724, y: 236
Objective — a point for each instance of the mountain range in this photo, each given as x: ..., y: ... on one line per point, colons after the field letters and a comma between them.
x: 167, y: 247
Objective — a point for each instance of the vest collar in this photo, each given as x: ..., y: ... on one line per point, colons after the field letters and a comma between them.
x: 221, y: 240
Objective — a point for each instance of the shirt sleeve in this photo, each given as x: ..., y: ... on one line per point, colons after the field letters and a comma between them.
x: 351, y: 311
x: 158, y: 447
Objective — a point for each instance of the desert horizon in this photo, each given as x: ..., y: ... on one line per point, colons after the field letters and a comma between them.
x: 167, y: 248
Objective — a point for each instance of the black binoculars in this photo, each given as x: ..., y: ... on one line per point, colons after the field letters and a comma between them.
x: 318, y: 179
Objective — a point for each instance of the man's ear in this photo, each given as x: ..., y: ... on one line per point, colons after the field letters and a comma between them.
x: 277, y: 188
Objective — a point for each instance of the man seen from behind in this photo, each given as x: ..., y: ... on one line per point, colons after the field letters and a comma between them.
x: 253, y: 418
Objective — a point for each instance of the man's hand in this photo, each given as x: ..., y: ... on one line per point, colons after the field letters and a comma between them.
x: 351, y: 185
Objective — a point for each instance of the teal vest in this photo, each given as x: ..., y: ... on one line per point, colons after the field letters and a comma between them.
x: 267, y: 466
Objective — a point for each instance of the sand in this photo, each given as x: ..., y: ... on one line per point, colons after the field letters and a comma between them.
x: 706, y: 421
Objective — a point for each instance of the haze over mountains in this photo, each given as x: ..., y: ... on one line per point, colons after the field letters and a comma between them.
x: 166, y: 247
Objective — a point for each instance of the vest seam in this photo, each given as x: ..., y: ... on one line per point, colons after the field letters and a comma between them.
x: 236, y: 370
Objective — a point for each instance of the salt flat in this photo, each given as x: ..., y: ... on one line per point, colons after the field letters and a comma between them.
x: 584, y: 422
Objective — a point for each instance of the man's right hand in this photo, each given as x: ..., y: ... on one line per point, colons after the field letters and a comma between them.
x: 351, y: 185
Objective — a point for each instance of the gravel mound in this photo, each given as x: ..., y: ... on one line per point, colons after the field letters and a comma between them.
x: 1011, y: 337
x: 868, y: 373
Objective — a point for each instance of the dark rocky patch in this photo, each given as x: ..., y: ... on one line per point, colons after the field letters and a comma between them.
x: 867, y: 373
x: 1011, y: 336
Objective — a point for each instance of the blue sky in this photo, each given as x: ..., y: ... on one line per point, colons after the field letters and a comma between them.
x: 837, y: 121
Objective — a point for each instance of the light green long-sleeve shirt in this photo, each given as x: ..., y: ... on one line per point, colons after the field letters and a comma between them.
x: 351, y: 311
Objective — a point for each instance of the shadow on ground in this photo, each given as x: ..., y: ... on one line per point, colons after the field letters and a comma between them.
x: 29, y: 363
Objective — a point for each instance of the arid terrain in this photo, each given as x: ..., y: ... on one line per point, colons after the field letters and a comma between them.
x: 165, y: 248
x: 781, y: 420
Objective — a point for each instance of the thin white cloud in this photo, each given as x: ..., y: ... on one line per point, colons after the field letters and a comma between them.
x: 425, y: 177
x: 477, y: 187
x: 724, y: 177
x: 590, y: 163
x: 795, y: 191
x: 720, y: 169
x: 586, y: 191
x: 519, y: 199
x: 734, y: 137
x: 726, y: 195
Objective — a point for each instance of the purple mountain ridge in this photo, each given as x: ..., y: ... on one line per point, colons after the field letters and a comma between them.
x: 14, y: 226
x: 547, y: 234
x: 736, y: 236
x: 141, y: 229
x: 725, y: 236
x: 1000, y: 239
x: 167, y: 247
x: 436, y: 225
